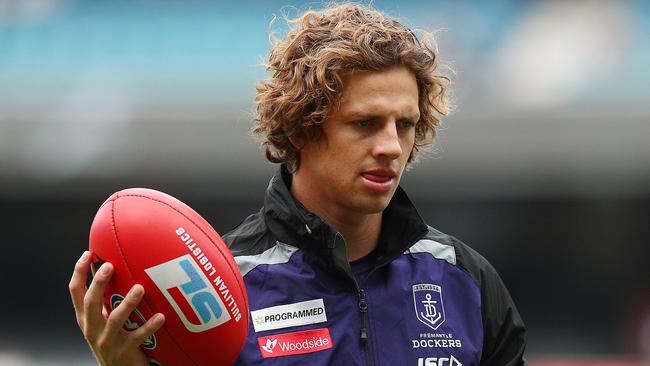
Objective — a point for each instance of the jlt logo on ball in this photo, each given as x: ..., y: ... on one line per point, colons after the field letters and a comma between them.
x: 189, y: 292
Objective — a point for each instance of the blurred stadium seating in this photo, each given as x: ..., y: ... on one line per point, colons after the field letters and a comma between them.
x: 544, y: 168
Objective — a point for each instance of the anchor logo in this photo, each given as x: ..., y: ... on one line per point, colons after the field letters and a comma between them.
x: 429, y: 308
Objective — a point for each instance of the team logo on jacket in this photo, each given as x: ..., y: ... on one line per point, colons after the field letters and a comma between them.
x: 429, y: 308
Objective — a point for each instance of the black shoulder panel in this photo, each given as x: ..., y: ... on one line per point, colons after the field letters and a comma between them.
x: 250, y: 237
x: 504, y: 331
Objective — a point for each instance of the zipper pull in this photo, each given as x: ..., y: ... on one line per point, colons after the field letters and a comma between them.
x: 363, y: 308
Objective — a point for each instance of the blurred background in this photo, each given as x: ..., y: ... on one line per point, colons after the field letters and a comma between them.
x: 544, y: 168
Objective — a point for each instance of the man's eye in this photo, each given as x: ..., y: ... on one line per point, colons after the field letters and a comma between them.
x: 406, y: 124
x: 364, y: 123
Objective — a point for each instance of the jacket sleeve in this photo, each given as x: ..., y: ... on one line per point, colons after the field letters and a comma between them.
x: 504, y: 339
x: 504, y: 332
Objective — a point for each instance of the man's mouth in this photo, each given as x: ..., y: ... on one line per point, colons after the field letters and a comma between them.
x: 379, y: 179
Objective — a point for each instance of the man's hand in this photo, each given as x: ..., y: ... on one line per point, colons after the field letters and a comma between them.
x: 110, y: 344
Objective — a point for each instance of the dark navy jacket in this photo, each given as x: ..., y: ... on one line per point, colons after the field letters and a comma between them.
x: 421, y: 298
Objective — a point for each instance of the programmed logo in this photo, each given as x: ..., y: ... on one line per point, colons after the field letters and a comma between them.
x: 429, y: 309
x: 190, y: 293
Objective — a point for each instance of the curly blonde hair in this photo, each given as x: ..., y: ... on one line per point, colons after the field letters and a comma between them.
x: 307, y: 68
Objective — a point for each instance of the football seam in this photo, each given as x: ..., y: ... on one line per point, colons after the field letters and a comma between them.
x: 241, y: 290
x: 144, y: 300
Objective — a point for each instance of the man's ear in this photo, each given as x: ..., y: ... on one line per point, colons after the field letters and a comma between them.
x: 297, y: 141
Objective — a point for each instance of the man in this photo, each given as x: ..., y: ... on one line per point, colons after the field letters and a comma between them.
x: 340, y: 268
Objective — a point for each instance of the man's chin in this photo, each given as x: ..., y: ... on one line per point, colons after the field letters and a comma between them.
x: 373, y: 205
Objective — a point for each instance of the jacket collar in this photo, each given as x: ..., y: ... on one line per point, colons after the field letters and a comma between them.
x: 291, y: 223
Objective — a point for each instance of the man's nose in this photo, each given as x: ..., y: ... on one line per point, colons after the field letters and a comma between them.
x: 388, y: 143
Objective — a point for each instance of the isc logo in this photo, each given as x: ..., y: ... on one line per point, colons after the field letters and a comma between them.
x: 439, y: 361
x: 189, y: 292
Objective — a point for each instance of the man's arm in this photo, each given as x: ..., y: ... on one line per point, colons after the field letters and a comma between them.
x: 504, y: 330
x: 110, y: 344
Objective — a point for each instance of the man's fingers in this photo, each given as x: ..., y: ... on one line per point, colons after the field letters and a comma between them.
x: 139, y: 335
x: 94, y: 298
x: 118, y: 317
x: 77, y: 284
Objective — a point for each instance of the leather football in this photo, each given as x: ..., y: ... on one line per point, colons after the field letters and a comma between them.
x: 186, y: 269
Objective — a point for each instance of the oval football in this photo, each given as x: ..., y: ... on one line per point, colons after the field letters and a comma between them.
x: 186, y: 269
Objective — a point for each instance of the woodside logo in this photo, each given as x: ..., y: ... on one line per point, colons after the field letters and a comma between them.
x: 295, y: 343
x: 270, y: 345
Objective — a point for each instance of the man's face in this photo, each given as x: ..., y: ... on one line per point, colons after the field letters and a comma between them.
x: 366, y: 142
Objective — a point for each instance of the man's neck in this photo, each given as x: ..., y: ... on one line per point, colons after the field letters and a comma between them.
x: 360, y: 231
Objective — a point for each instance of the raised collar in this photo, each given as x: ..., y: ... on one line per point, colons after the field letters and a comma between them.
x: 291, y: 223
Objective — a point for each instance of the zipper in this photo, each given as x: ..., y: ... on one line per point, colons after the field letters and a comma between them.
x: 364, y: 338
x: 363, y: 308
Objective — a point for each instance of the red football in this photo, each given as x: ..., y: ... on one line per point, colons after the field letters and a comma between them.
x: 187, y: 272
